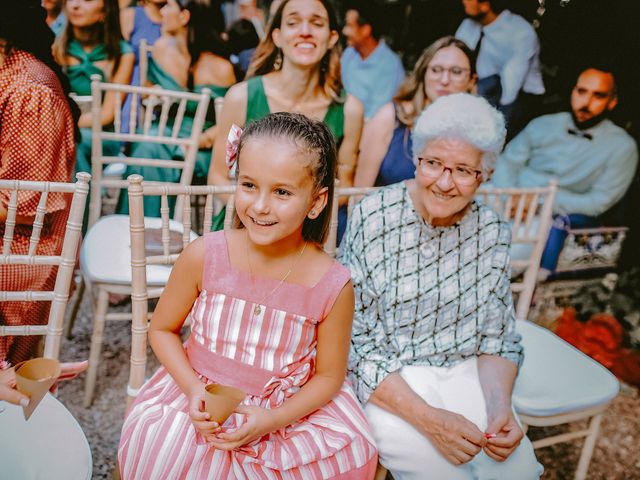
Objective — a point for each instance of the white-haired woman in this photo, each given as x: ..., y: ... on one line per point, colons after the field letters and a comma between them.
x: 434, y: 352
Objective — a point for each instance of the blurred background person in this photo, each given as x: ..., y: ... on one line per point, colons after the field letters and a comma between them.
x: 243, y: 40
x: 55, y: 16
x: 189, y: 56
x: 508, y: 59
x: 446, y: 66
x: 138, y: 23
x: 371, y: 71
x: 92, y: 43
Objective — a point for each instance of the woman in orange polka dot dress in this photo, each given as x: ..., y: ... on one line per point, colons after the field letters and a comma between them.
x: 36, y: 143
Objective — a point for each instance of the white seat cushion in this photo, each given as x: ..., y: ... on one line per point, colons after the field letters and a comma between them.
x: 50, y: 445
x: 105, y: 256
x: 557, y: 378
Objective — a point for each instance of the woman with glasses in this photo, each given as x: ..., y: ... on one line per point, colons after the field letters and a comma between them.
x: 446, y: 66
x: 434, y: 351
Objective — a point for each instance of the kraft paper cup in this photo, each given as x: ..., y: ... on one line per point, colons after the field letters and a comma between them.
x: 34, y: 378
x: 220, y: 401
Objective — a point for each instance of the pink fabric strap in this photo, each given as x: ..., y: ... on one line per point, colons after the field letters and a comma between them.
x: 226, y: 371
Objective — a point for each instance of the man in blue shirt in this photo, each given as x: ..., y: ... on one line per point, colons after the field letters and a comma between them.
x: 371, y: 71
x: 592, y: 159
x: 508, y: 63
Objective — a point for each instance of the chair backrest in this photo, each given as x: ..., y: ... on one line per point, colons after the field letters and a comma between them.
x: 352, y: 194
x: 143, y: 61
x: 218, y: 102
x: 140, y: 258
x: 166, y: 110
x: 529, y: 210
x: 65, y: 261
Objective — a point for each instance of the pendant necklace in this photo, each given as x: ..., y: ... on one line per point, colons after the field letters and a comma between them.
x: 257, y: 310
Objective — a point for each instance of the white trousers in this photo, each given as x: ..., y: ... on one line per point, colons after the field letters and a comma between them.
x: 409, y: 455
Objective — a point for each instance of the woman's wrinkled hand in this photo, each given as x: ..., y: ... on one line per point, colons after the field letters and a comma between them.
x: 508, y: 434
x: 455, y: 437
x: 199, y: 417
x: 258, y: 422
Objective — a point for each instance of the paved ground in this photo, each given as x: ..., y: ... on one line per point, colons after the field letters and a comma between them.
x: 616, y: 455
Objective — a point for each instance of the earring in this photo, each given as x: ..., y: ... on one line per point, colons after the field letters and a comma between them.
x: 277, y: 62
x: 312, y: 214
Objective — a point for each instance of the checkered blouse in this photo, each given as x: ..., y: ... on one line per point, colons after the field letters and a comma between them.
x: 425, y: 295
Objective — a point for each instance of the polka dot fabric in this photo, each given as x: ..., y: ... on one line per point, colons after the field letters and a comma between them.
x: 36, y: 143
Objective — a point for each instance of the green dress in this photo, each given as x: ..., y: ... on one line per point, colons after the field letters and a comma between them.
x: 159, y: 77
x: 80, y: 80
x: 258, y: 107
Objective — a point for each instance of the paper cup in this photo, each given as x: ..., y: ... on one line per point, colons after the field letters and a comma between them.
x: 220, y: 401
x: 34, y: 378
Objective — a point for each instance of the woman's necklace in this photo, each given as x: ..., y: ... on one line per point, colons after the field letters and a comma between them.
x: 257, y: 310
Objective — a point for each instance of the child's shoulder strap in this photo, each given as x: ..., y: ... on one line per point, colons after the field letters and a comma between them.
x: 332, y: 284
x: 216, y: 257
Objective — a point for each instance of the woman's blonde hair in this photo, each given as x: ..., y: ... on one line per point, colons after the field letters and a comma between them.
x: 412, y: 89
x: 267, y: 55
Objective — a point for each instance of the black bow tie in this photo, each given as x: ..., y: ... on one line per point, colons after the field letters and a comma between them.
x: 580, y: 133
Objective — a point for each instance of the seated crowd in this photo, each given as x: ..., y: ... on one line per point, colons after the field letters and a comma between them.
x: 418, y: 313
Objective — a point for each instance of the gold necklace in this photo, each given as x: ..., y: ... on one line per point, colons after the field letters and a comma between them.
x: 258, y: 307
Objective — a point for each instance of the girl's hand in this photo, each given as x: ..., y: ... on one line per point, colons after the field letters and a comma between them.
x: 457, y: 438
x: 258, y: 422
x: 199, y: 417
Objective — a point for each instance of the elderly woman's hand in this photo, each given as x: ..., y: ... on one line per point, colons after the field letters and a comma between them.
x: 455, y: 437
x: 508, y: 433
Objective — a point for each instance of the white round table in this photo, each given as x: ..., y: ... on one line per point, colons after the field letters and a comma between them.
x: 50, y: 445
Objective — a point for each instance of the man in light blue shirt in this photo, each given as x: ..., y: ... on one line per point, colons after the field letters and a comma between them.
x: 592, y: 159
x: 56, y: 18
x: 371, y: 71
x: 508, y: 62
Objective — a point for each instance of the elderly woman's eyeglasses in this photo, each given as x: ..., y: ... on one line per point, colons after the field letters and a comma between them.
x: 457, y: 74
x: 460, y: 174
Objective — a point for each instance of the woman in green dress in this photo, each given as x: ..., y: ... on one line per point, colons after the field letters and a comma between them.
x: 296, y: 68
x: 188, y: 56
x: 91, y: 43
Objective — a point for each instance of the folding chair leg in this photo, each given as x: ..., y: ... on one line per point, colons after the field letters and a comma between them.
x: 96, y: 345
x: 587, y: 448
x: 74, y: 312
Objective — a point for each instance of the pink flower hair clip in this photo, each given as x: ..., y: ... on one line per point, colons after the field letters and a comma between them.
x: 233, y: 141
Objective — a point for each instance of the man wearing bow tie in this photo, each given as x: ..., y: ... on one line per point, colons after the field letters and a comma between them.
x: 592, y: 159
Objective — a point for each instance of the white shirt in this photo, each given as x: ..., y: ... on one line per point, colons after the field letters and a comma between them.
x: 511, y: 49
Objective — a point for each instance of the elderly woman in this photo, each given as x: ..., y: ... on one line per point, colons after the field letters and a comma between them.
x: 434, y: 351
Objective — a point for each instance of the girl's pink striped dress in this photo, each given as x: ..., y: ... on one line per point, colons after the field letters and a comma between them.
x: 270, y: 356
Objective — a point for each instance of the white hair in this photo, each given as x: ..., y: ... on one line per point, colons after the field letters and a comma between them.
x: 464, y: 117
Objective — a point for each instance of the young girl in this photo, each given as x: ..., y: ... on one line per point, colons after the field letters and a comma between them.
x: 272, y: 317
